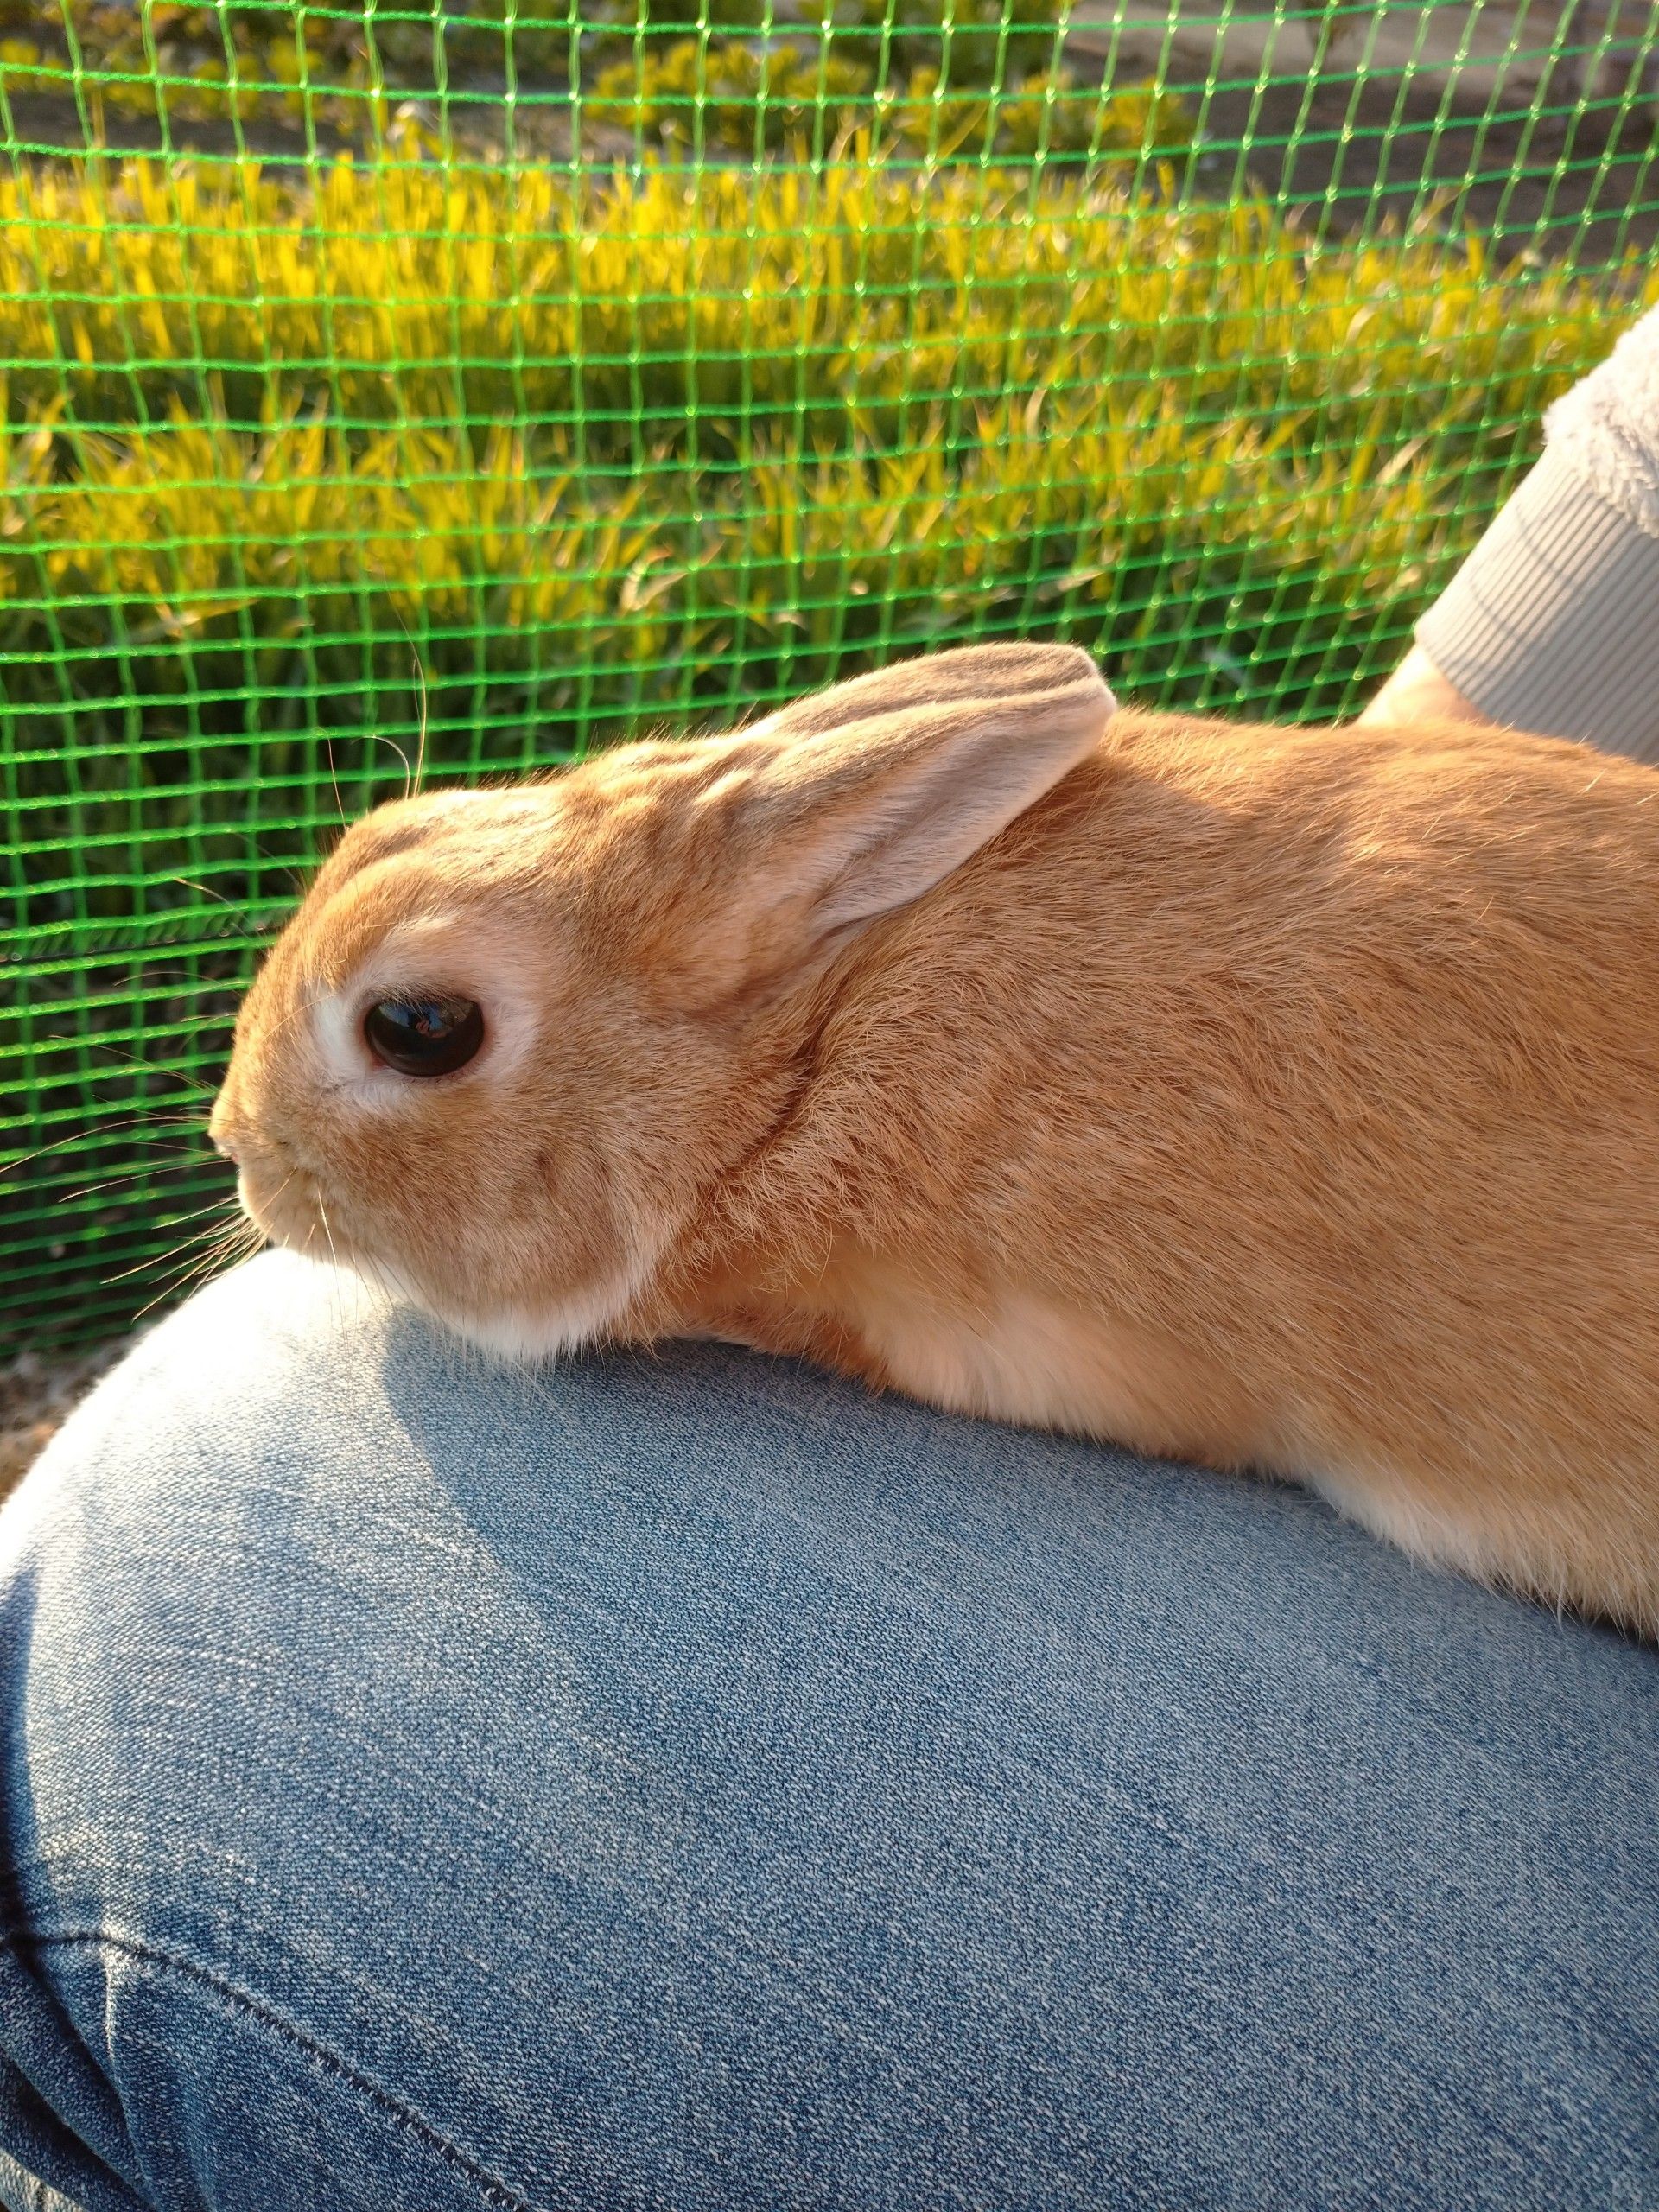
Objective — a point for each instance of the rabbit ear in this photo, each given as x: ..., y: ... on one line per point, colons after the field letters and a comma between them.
x: 843, y: 806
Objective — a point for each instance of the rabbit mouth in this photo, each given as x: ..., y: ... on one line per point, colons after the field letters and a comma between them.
x: 286, y: 1206
x: 288, y: 1202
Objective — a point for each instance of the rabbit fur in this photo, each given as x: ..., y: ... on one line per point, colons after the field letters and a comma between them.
x: 1274, y: 1099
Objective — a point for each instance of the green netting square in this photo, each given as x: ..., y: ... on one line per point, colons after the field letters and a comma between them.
x: 521, y: 375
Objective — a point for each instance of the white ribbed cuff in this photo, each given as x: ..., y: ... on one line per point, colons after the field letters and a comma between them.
x: 1552, y: 622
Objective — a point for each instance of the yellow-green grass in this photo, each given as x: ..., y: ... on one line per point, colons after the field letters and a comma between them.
x: 399, y: 290
x: 659, y: 447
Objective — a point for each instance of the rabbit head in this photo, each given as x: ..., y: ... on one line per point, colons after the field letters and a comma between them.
x: 513, y: 1038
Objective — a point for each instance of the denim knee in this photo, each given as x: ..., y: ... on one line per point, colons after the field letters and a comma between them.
x: 209, y: 1591
x: 686, y: 1781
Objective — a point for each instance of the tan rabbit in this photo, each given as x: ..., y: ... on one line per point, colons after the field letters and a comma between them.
x: 1277, y: 1099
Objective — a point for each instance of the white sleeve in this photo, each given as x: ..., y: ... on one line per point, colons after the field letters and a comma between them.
x: 1552, y: 622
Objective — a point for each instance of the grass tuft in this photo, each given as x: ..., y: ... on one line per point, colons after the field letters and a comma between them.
x: 661, y: 444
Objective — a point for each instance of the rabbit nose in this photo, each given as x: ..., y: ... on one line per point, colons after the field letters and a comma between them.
x: 221, y: 1131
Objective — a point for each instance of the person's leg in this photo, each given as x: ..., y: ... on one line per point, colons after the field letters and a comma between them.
x: 689, y: 1782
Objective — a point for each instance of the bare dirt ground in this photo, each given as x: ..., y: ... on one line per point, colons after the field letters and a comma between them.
x: 37, y: 1394
x: 1437, y: 112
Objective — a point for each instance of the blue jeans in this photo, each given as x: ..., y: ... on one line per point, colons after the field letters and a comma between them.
x: 685, y: 1782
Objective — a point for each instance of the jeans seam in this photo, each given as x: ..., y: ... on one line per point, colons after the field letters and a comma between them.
x: 492, y: 2190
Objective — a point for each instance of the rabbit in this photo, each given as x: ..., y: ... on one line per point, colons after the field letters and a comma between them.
x: 1278, y: 1100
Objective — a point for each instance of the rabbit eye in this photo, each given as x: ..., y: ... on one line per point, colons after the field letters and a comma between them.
x: 425, y: 1035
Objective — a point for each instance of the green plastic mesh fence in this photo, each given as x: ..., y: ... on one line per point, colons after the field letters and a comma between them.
x: 516, y: 378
